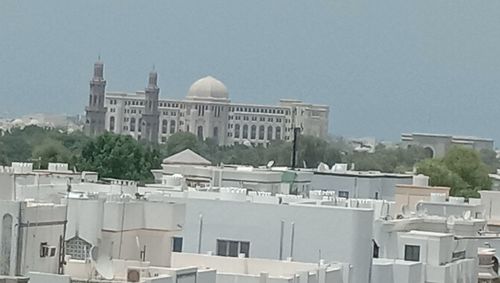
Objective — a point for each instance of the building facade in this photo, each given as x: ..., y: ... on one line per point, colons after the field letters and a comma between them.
x: 437, y: 145
x: 206, y: 112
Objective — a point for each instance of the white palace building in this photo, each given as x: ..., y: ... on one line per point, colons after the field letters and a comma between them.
x: 206, y: 112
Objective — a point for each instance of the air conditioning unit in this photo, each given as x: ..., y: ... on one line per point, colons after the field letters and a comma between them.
x: 52, y: 251
x: 46, y: 250
x: 133, y: 275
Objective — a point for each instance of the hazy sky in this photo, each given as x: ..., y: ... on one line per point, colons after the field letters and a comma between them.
x: 383, y: 67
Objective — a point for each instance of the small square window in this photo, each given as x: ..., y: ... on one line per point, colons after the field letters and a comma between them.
x: 412, y: 253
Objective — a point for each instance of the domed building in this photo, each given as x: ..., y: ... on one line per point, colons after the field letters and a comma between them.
x: 208, y: 88
x: 206, y: 112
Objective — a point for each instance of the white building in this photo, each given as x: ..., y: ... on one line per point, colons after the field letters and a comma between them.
x: 357, y: 184
x: 191, y: 268
x: 258, y: 225
x: 198, y: 172
x: 206, y: 112
x: 432, y: 240
x: 31, y: 232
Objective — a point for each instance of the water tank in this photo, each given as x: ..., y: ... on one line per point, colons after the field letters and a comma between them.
x: 421, y: 180
x: 457, y: 200
x: 438, y: 197
x: 173, y: 180
x: 339, y: 167
x: 58, y: 167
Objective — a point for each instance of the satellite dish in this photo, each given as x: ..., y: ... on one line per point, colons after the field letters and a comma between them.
x: 467, y: 214
x: 420, y: 210
x: 404, y: 209
x: 450, y: 220
x: 247, y: 143
x: 93, y: 253
x: 137, y: 243
x: 102, y: 262
x: 322, y: 167
x: 270, y: 164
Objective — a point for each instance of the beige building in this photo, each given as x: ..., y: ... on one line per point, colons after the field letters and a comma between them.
x: 408, y: 196
x: 437, y: 145
x: 206, y: 111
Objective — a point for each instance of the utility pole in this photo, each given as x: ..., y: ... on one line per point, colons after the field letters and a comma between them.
x: 296, y: 132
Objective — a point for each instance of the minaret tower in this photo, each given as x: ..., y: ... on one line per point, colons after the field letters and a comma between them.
x: 151, y: 116
x: 95, y: 111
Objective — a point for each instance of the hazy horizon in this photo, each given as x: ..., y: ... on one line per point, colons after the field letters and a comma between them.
x: 420, y: 66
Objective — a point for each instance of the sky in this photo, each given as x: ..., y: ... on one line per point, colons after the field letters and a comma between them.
x: 383, y: 67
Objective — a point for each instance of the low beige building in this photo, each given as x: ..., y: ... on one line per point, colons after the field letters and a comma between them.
x: 408, y: 196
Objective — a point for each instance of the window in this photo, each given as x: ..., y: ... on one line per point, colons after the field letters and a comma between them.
x: 376, y: 249
x: 112, y: 124
x: 458, y: 255
x: 177, y: 244
x: 253, y: 133
x: 343, y: 194
x: 200, y: 132
x: 172, y: 126
x: 132, y: 124
x: 269, y: 133
x: 412, y: 253
x: 245, y: 132
x: 237, y: 131
x: 46, y: 250
x: 164, y: 126
x: 278, y: 133
x: 261, y: 132
x: 78, y: 248
x: 139, y: 128
x: 216, y: 133
x: 232, y: 248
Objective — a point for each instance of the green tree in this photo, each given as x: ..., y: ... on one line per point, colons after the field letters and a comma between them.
x: 461, y: 169
x: 121, y: 157
x: 489, y: 158
x: 468, y: 165
x: 440, y: 175
x: 181, y: 141
x: 51, y: 151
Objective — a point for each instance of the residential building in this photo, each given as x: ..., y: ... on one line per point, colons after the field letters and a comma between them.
x: 198, y: 172
x: 357, y: 184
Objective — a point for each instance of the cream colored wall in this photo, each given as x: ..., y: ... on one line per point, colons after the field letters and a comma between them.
x: 410, y: 195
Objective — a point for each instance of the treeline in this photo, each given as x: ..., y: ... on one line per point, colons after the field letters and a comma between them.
x: 117, y: 156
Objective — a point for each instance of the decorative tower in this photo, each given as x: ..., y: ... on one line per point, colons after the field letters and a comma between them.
x: 151, y: 116
x: 95, y: 111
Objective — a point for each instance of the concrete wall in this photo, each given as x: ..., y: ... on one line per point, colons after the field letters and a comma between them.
x: 359, y: 186
x: 330, y: 233
x: 39, y: 224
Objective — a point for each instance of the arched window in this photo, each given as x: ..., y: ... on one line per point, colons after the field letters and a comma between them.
x: 172, y: 126
x: 245, y: 132
x: 216, y: 133
x: 132, y: 124
x: 5, y: 244
x: 112, y: 124
x: 278, y: 133
x: 164, y: 126
x: 200, y: 132
x: 237, y: 131
x: 261, y: 132
x: 139, y: 127
x: 253, y: 133
x: 269, y: 133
